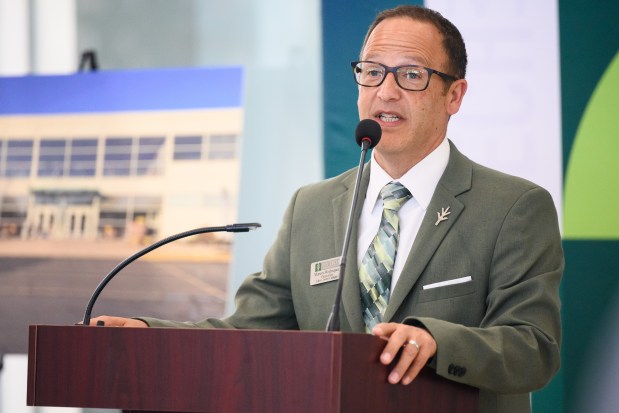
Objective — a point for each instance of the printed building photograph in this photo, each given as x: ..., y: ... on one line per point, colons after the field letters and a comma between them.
x: 134, y: 174
x: 95, y: 167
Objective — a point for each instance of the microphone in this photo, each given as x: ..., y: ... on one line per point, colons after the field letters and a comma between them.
x: 116, y: 270
x: 368, y: 132
x: 367, y: 135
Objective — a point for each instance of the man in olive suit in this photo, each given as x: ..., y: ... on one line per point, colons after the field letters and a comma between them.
x: 462, y: 274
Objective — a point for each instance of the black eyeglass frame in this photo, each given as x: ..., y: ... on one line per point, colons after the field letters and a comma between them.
x: 394, y: 71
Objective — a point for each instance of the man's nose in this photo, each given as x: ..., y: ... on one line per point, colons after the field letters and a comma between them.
x: 389, y: 89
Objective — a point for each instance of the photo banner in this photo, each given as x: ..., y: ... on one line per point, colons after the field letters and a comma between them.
x: 96, y: 166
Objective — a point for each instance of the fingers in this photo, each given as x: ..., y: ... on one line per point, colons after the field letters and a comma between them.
x: 410, y: 364
x: 417, y: 347
x: 108, y: 321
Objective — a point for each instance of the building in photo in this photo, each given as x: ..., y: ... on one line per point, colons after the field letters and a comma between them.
x: 119, y: 154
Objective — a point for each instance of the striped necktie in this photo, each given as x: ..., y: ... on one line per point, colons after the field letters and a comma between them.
x: 377, y: 264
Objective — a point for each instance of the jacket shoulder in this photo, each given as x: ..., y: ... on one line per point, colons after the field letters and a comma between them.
x: 463, y: 174
x: 329, y: 186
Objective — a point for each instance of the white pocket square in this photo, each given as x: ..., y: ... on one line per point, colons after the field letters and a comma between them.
x: 448, y: 282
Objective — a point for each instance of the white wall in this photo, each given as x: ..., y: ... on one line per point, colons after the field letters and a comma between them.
x: 14, y: 38
x: 282, y: 145
x: 510, y: 119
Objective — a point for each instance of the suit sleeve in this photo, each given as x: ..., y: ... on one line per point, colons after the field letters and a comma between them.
x: 516, y: 347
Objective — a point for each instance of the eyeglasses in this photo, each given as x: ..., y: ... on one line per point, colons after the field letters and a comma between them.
x: 408, y: 77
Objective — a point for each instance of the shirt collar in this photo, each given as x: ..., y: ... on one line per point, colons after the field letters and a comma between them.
x: 420, y: 180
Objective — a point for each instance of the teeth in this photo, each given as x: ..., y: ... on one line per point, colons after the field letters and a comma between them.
x: 388, y: 118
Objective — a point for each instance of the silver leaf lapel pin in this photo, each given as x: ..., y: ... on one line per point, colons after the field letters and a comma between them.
x: 442, y: 216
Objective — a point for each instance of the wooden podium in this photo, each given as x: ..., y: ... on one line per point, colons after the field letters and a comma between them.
x: 225, y: 371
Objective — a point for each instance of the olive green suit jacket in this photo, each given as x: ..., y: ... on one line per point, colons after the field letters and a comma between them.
x: 499, y: 332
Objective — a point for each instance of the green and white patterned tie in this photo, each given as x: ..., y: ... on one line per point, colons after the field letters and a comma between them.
x: 377, y: 263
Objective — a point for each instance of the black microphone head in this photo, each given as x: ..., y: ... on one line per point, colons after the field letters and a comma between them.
x: 369, y: 130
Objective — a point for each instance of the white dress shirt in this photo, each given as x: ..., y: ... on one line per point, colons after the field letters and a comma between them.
x: 421, y: 181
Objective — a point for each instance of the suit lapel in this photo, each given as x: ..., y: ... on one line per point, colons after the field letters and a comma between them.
x: 455, y: 180
x: 351, y: 299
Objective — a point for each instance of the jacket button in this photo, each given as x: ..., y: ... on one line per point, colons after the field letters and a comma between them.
x: 456, y: 370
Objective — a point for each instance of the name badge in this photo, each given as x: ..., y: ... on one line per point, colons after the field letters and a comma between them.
x: 325, y: 271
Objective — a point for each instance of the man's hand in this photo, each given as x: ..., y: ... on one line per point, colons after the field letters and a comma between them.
x: 413, y: 358
x: 117, y: 322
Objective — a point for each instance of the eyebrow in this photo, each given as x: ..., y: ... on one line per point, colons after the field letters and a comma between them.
x: 416, y: 60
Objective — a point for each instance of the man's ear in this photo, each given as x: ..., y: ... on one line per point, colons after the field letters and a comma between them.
x: 454, y: 96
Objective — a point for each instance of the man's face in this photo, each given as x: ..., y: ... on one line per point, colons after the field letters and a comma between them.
x: 413, y: 123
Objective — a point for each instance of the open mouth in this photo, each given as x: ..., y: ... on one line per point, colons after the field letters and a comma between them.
x: 388, y: 117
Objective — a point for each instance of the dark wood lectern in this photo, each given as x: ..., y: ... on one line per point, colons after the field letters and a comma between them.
x: 225, y: 371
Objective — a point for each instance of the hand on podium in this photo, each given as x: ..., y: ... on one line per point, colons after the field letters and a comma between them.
x: 109, y: 321
x: 417, y: 345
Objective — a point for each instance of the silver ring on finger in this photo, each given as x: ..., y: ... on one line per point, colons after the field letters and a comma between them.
x: 413, y: 343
